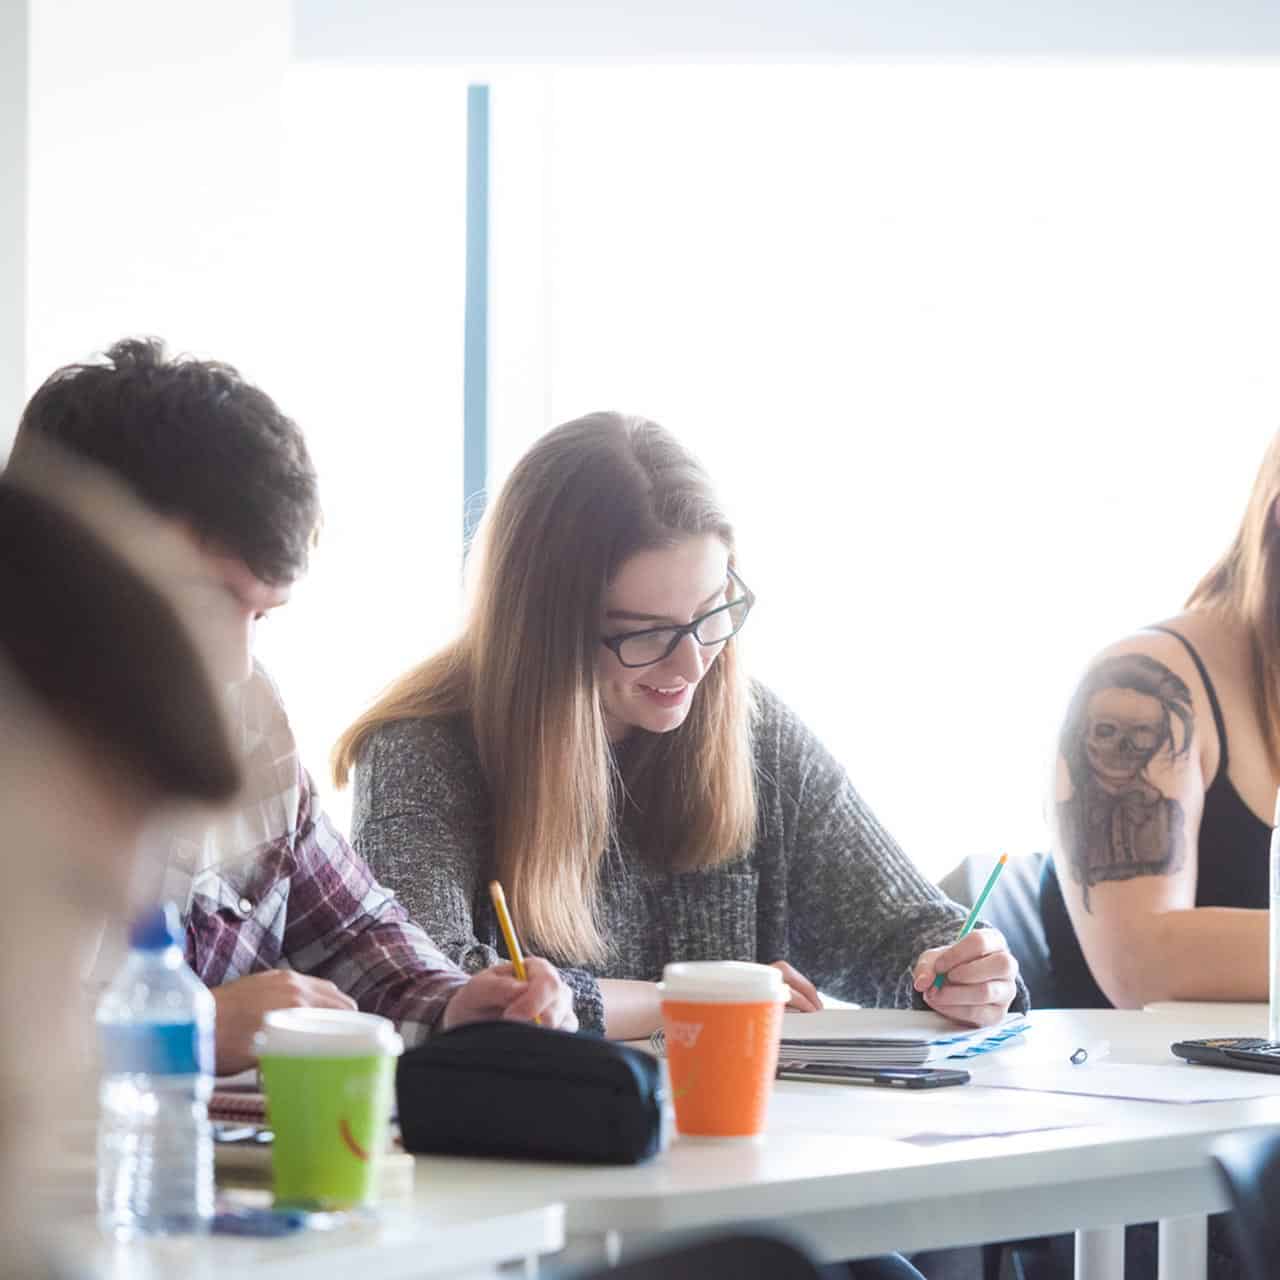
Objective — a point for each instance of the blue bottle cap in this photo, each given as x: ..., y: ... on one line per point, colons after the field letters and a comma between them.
x: 156, y: 928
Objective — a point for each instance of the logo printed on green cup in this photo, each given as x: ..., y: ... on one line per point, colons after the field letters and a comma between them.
x: 349, y: 1138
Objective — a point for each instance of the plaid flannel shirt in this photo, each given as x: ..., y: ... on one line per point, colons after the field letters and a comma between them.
x: 274, y: 885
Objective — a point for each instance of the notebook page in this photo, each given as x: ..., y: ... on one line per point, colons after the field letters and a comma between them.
x: 878, y: 1026
x: 886, y: 1037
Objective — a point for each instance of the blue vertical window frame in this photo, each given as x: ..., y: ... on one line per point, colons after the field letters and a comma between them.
x: 475, y: 361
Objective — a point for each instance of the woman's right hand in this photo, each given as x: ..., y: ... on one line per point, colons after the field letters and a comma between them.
x: 496, y: 993
x: 804, y: 996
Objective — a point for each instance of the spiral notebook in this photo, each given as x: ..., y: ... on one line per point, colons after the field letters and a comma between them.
x: 237, y: 1105
x: 886, y: 1038
x: 238, y: 1099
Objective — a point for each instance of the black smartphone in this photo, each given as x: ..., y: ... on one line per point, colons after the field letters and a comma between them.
x: 893, y: 1077
x: 1244, y: 1053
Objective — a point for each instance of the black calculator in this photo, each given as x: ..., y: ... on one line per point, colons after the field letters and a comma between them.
x: 1244, y: 1053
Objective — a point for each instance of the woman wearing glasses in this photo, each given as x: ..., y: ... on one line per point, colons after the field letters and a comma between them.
x: 592, y: 740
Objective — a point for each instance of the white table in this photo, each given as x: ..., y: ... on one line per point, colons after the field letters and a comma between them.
x: 835, y: 1169
x: 1248, y: 1018
x: 447, y: 1233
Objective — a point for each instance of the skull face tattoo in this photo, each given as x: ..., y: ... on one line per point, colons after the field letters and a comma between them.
x: 1117, y: 824
x: 1123, y: 731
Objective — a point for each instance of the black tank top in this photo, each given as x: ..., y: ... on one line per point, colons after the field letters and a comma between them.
x: 1232, y: 869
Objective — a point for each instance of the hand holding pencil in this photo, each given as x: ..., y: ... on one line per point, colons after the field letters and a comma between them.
x: 974, y: 980
x: 523, y: 989
x: 499, y: 900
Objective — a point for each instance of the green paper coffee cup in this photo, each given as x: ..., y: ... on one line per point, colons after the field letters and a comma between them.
x: 329, y: 1080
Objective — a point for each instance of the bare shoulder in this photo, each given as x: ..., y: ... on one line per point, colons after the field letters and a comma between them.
x: 1158, y: 664
x: 1166, y: 641
x: 1149, y: 664
x: 1131, y: 766
x: 1222, y: 644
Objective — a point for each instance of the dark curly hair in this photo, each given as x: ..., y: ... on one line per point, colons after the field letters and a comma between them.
x: 195, y: 441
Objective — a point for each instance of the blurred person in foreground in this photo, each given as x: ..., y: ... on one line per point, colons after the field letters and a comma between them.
x: 279, y: 911
x: 108, y: 722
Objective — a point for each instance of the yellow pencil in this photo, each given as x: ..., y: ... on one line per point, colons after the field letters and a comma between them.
x: 509, y: 933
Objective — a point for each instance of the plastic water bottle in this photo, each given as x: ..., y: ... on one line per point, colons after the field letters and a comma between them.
x: 1273, y: 1023
x: 155, y: 1033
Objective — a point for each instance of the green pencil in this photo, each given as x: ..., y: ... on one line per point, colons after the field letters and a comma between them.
x: 977, y: 907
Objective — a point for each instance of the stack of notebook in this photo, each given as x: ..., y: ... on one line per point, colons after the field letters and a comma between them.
x: 885, y: 1038
x: 237, y: 1106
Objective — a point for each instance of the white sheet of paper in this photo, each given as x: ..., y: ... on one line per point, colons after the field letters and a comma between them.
x: 986, y: 1122
x: 936, y: 1138
x: 1175, y: 1082
x: 921, y: 1115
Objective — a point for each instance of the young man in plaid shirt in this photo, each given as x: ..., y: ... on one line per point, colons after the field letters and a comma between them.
x: 279, y: 911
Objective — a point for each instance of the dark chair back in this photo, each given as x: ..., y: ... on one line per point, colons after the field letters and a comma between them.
x: 1014, y: 909
x: 1249, y: 1164
x: 736, y: 1257
x: 1073, y: 980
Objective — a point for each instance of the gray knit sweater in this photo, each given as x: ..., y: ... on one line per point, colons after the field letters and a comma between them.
x: 825, y: 888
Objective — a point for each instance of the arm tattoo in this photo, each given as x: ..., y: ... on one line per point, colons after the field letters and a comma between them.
x: 1117, y: 823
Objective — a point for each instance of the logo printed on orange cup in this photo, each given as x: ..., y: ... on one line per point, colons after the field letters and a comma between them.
x: 722, y: 1021
x: 683, y: 1033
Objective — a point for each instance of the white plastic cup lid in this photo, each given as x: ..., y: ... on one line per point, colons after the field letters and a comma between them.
x: 722, y: 982
x: 326, y: 1033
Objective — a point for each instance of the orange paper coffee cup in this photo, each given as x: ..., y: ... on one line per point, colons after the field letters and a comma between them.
x: 722, y: 1021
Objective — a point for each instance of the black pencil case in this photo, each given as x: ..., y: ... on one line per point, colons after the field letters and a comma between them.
x: 515, y: 1089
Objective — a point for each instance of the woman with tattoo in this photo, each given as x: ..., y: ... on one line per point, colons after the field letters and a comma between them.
x: 591, y: 739
x: 1168, y: 764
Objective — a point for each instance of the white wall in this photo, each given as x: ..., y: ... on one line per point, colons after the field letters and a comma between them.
x: 770, y: 29
x: 371, y: 368
x: 155, y: 173
x: 13, y: 215
x: 185, y: 184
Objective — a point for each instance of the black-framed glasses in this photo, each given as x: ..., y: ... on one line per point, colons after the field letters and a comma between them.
x: 644, y: 648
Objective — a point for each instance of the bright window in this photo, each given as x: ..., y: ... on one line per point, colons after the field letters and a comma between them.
x: 982, y: 357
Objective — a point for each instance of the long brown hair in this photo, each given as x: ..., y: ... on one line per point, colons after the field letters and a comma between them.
x: 1245, y: 585
x: 587, y: 496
